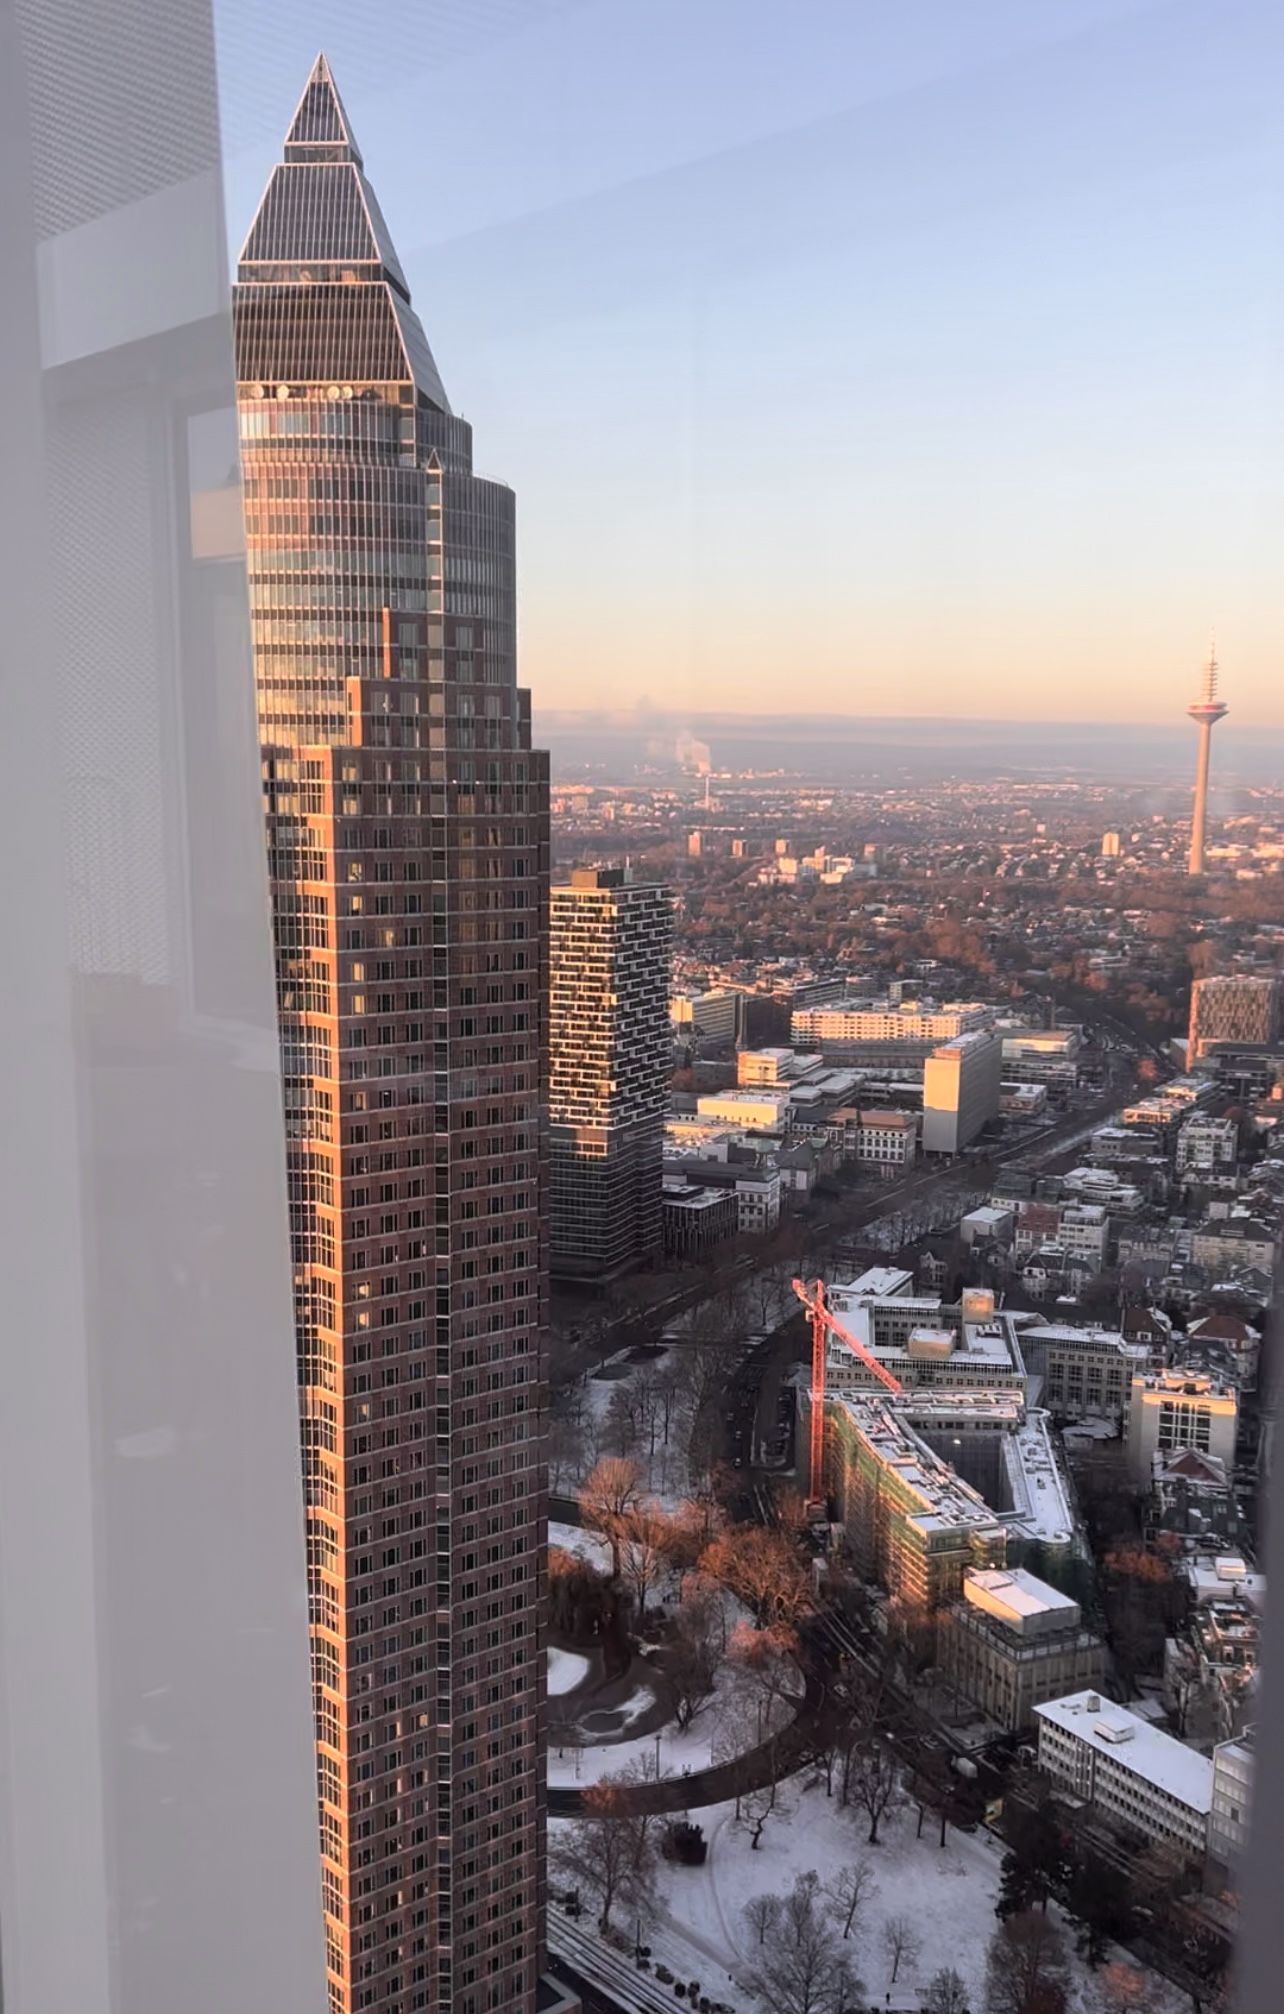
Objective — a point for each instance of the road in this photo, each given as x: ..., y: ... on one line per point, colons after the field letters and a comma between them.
x: 594, y: 2000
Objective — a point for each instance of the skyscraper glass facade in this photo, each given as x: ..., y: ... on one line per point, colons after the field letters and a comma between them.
x: 407, y: 827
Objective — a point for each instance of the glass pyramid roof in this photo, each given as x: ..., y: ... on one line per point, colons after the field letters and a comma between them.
x: 319, y: 221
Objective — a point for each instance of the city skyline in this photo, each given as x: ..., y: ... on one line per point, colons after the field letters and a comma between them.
x: 999, y: 302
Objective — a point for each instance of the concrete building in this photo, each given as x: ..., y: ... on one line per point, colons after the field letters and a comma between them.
x: 1013, y: 1642
x: 1142, y: 1782
x: 857, y: 1023
x: 1022, y: 1101
x: 610, y: 944
x: 961, y: 1085
x: 881, y: 1138
x: 990, y: 1224
x: 1232, y: 1805
x: 969, y: 1347
x: 1110, y: 846
x: 1084, y: 1373
x: 773, y: 1068
x: 756, y: 1185
x: 719, y: 1015
x: 694, y: 1221
x: 1041, y: 1055
x: 1240, y: 1008
x: 408, y: 865
x: 1179, y: 1409
x: 1206, y: 1147
x: 763, y: 1109
x: 1085, y: 1234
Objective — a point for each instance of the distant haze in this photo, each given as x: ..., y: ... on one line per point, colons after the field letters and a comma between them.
x: 848, y: 749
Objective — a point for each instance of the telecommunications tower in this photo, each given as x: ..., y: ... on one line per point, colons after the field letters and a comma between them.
x: 1205, y: 711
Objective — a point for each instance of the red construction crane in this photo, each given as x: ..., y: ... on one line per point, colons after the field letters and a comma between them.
x: 824, y: 1323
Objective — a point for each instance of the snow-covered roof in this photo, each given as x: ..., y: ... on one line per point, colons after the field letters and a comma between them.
x: 1133, y: 1744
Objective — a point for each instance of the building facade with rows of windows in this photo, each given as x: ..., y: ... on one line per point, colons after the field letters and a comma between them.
x: 407, y: 831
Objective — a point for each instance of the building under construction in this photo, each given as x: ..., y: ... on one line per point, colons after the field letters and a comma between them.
x: 922, y: 1445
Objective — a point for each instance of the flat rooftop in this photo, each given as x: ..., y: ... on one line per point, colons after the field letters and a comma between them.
x: 880, y: 1283
x: 1135, y: 1745
x: 1012, y: 1592
x: 947, y: 1502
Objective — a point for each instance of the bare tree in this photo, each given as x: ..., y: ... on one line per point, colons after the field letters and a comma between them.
x: 755, y: 1807
x: 765, y: 1569
x: 695, y: 1651
x: 848, y: 1889
x: 1026, y: 1966
x: 901, y: 1942
x: 760, y: 1913
x: 945, y: 1994
x: 875, y: 1786
x: 611, y: 1850
x: 622, y: 1431
x: 611, y: 1490
x: 801, y: 1965
x: 639, y: 1536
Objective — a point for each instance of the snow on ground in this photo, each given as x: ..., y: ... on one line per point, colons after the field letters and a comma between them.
x: 679, y: 1753
x: 565, y: 1671
x: 948, y: 1892
x: 589, y: 1545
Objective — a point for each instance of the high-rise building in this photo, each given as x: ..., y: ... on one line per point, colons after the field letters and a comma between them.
x: 1111, y: 846
x: 610, y: 1048
x: 962, y: 1083
x: 407, y: 842
x: 1237, y: 1007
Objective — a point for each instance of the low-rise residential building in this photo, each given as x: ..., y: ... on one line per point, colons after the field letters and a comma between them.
x: 1239, y: 1340
x: 1192, y: 1499
x: 1014, y: 1641
x: 1142, y: 1782
x: 1231, y: 1244
x: 1177, y: 1409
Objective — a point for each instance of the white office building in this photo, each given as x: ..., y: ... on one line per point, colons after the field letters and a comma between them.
x: 1140, y: 1780
x: 1170, y: 1410
x: 962, y: 1084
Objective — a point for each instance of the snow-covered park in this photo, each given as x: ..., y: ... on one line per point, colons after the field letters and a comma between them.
x: 699, y: 1927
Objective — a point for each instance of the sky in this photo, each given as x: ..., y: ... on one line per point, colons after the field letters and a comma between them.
x: 910, y: 360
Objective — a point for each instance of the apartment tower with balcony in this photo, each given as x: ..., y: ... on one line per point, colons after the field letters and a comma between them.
x: 407, y: 832
x: 610, y: 1054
